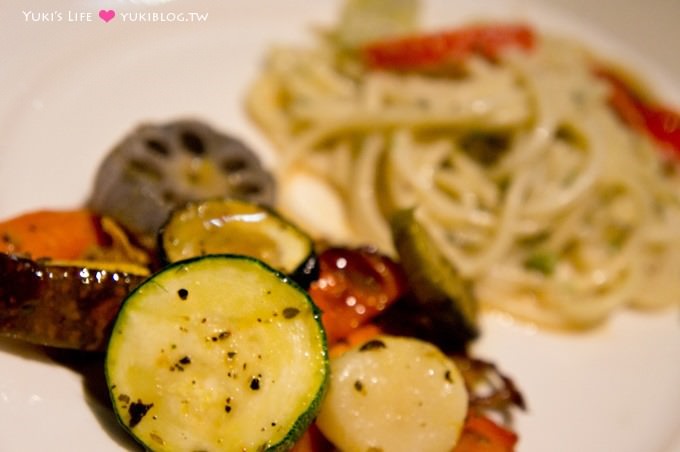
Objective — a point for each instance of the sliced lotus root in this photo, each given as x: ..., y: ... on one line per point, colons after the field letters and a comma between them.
x: 158, y: 167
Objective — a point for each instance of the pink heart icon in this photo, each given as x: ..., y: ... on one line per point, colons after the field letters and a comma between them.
x: 106, y: 14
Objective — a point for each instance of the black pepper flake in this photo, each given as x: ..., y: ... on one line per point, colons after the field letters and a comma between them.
x: 255, y: 384
x: 179, y: 365
x: 183, y: 294
x: 289, y: 313
x: 231, y: 355
x: 359, y: 386
x: 447, y: 376
x: 137, y: 411
x: 185, y: 360
x: 222, y: 335
x: 374, y: 344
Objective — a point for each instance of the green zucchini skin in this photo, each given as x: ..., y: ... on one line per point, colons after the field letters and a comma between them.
x: 218, y: 352
x: 443, y: 309
x: 236, y: 226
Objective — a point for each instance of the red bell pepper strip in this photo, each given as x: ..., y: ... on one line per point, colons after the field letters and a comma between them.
x: 432, y: 50
x: 481, y: 434
x: 660, y: 122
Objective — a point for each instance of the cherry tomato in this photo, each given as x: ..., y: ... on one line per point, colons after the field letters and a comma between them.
x: 435, y: 49
x: 354, y: 286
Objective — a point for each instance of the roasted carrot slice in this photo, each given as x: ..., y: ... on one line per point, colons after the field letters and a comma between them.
x: 55, y: 234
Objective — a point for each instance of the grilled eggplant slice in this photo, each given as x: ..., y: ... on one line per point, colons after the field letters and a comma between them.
x: 64, y: 305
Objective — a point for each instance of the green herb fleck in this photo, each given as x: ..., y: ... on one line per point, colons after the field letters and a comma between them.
x: 541, y: 261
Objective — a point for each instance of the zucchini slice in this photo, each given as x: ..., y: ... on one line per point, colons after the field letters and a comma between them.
x: 217, y: 353
x: 444, y: 309
x: 238, y: 227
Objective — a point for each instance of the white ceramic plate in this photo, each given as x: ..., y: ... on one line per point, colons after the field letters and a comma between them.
x: 72, y: 85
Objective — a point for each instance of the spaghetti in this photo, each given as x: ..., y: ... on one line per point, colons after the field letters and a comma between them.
x: 531, y: 185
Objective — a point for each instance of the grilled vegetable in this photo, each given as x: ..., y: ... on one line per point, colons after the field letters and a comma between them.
x: 443, y: 308
x: 238, y: 227
x: 158, y: 167
x: 70, y: 235
x: 354, y: 286
x: 67, y: 305
x: 217, y: 353
x: 481, y: 434
x: 660, y: 122
x: 429, y: 51
x: 394, y: 393
x: 58, y: 234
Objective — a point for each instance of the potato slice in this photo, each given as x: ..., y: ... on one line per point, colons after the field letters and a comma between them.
x: 394, y: 394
